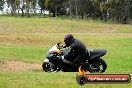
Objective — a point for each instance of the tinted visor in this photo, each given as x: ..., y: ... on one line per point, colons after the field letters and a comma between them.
x: 67, y: 42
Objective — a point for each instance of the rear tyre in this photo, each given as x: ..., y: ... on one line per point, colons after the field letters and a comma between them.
x: 98, y: 66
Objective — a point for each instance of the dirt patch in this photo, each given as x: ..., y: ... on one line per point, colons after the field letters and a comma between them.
x: 7, y: 65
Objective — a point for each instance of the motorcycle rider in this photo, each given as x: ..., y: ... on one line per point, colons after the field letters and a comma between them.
x: 78, y: 50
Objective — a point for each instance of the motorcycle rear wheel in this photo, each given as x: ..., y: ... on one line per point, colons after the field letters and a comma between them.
x: 98, y: 66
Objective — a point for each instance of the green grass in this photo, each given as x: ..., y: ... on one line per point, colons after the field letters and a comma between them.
x: 47, y: 80
x: 54, y: 25
x: 22, y: 53
x: 29, y: 39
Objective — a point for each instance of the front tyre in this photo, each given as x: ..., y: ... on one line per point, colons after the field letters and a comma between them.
x: 98, y: 66
x: 46, y: 67
x: 49, y: 67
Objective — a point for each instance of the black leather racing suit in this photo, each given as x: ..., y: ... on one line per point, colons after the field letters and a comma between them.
x: 77, y: 51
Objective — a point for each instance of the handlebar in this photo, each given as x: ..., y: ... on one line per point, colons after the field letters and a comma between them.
x: 59, y: 46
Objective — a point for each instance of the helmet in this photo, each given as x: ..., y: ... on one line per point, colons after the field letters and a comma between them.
x: 68, y: 39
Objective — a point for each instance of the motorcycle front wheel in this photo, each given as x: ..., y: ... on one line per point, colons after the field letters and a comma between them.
x: 48, y: 67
